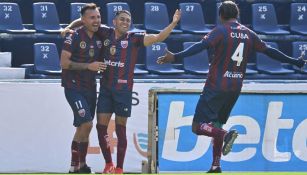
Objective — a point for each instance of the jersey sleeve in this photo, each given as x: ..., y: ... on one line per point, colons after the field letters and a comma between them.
x: 138, y: 39
x: 69, y: 41
x: 259, y: 45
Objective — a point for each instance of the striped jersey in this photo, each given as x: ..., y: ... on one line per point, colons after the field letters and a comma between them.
x: 84, y: 50
x: 233, y: 44
x: 120, y: 56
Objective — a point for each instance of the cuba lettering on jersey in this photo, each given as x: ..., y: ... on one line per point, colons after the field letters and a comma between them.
x: 120, y: 56
x: 233, y: 44
x: 84, y: 50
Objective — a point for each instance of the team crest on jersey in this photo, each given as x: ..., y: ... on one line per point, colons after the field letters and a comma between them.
x: 106, y: 42
x: 81, y: 112
x: 91, y: 52
x: 124, y: 44
x: 99, y: 44
x: 82, y: 44
x: 113, y: 50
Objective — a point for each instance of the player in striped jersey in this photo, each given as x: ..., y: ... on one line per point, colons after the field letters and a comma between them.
x: 119, y: 53
x: 79, y: 62
x: 232, y: 44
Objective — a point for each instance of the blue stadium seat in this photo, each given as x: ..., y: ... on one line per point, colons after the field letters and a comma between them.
x: 46, y: 59
x: 113, y: 7
x: 45, y: 17
x: 10, y: 19
x: 298, y: 49
x: 75, y: 10
x: 156, y: 17
x: 140, y: 69
x: 196, y: 64
x: 264, y: 19
x: 298, y: 21
x: 152, y: 53
x: 192, y: 18
x: 268, y: 65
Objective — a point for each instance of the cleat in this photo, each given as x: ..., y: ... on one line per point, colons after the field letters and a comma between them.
x: 229, y: 138
x: 216, y: 170
x: 73, y: 172
x: 118, y: 171
x: 85, y: 170
x: 109, y: 169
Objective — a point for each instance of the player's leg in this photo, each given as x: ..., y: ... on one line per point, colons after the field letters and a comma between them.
x: 104, y: 114
x: 231, y: 98
x: 120, y: 129
x: 82, y: 121
x: 217, y: 151
x: 123, y: 104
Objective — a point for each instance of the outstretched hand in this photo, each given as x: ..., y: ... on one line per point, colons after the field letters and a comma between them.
x: 302, y: 62
x: 65, y: 31
x: 177, y: 16
x: 167, y: 58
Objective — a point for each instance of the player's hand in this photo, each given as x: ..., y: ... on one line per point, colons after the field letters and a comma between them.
x: 97, y: 66
x: 167, y: 58
x: 176, y: 16
x: 65, y: 31
x: 301, y: 62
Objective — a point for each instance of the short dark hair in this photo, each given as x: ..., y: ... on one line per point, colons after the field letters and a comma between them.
x: 122, y: 11
x: 89, y: 6
x: 229, y: 10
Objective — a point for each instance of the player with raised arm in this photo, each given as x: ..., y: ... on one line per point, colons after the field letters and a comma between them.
x: 233, y: 44
x: 79, y: 62
x: 119, y: 52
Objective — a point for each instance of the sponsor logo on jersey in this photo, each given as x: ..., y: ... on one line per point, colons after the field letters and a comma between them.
x: 124, y: 44
x: 114, y: 63
x: 113, y: 50
x: 106, y: 42
x: 82, y: 44
x: 230, y: 74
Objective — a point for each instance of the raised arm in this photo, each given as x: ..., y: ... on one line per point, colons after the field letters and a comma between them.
x: 69, y: 29
x: 149, y: 39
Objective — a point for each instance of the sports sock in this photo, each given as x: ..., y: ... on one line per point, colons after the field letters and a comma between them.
x: 83, y: 152
x: 208, y: 129
x: 104, y: 142
x: 74, y: 156
x: 121, y: 145
x: 217, y: 151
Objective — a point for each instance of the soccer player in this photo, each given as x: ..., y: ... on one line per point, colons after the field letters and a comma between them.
x: 119, y: 52
x: 79, y: 63
x: 233, y: 44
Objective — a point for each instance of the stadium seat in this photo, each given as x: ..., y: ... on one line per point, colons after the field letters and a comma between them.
x: 75, y: 10
x: 45, y: 17
x: 156, y: 17
x: 140, y: 69
x: 298, y: 21
x: 113, y: 7
x: 46, y: 59
x: 196, y: 64
x: 268, y: 65
x: 192, y: 18
x: 152, y: 53
x: 298, y: 49
x: 10, y: 19
x: 264, y: 19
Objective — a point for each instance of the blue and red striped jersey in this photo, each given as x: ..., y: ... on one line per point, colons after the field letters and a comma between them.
x: 233, y: 44
x: 84, y: 50
x: 120, y: 55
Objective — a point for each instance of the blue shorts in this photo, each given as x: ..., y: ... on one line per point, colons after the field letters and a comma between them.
x: 114, y: 101
x: 215, y: 106
x: 83, y: 104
